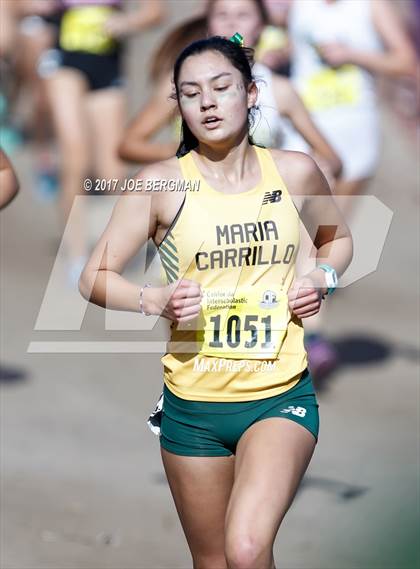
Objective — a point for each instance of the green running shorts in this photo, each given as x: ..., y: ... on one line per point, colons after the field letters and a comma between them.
x: 206, y: 428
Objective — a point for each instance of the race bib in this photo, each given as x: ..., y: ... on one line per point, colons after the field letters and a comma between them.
x: 82, y: 29
x: 248, y: 322
x: 333, y: 88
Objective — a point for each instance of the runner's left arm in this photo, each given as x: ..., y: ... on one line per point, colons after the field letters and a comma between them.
x: 326, y: 227
x: 323, y: 220
x: 318, y: 212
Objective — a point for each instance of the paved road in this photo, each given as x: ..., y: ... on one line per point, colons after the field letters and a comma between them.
x: 82, y: 482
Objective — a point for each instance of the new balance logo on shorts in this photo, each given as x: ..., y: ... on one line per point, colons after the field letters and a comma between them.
x: 272, y: 197
x: 299, y: 411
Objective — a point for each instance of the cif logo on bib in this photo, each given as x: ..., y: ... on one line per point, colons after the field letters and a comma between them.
x: 269, y: 299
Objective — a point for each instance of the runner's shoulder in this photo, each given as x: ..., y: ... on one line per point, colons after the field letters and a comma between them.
x: 147, y: 183
x: 154, y: 178
x: 164, y: 170
x: 299, y: 171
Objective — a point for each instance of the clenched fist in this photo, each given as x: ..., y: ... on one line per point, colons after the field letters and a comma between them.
x: 305, y: 296
x: 180, y: 301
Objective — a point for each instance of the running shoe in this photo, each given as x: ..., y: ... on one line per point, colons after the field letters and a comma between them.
x: 10, y: 136
x: 46, y: 185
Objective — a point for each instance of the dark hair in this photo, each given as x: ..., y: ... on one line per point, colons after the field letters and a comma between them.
x: 259, y: 3
x: 240, y: 57
x: 178, y: 38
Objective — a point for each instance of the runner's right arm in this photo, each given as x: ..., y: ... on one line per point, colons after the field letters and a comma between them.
x: 137, y: 217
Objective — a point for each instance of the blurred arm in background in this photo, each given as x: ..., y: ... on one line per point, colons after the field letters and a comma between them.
x: 398, y: 59
x: 149, y: 13
x: 8, y: 19
x: 291, y: 105
x: 9, y: 184
x: 137, y: 144
x: 160, y: 110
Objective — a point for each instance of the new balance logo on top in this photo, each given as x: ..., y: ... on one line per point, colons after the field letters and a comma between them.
x: 272, y: 197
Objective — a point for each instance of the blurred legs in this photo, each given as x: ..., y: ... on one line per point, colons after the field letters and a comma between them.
x: 66, y: 90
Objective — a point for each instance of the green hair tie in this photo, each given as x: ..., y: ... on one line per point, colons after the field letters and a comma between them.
x: 238, y: 39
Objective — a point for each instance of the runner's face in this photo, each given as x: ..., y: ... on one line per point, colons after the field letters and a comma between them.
x: 213, y: 98
x: 227, y: 17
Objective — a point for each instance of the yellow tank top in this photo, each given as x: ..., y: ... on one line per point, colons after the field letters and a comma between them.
x: 82, y: 29
x: 241, y: 248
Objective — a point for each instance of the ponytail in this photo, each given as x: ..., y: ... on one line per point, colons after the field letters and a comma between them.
x: 188, y: 140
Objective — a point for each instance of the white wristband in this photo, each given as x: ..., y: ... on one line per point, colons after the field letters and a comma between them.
x: 330, y: 277
x: 141, y: 308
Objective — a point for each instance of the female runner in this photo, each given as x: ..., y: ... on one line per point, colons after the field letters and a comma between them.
x: 84, y: 80
x: 338, y: 48
x: 280, y: 109
x: 240, y: 416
